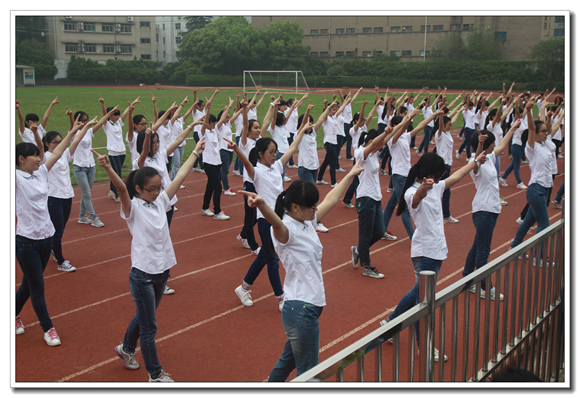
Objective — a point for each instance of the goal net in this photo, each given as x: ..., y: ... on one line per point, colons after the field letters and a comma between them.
x: 275, y: 80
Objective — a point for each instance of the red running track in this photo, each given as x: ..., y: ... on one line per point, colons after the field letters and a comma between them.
x: 205, y: 334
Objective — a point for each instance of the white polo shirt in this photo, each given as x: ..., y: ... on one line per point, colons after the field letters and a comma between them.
x: 540, y: 164
x: 279, y: 135
x: 151, y: 248
x: 83, y: 157
x: 369, y: 184
x: 31, y: 200
x: 59, y: 184
x: 497, y: 132
x: 292, y: 123
x: 347, y: 113
x: 211, y: 153
x: 301, y: 257
x: 114, y: 132
x: 268, y: 183
x: 308, y: 155
x: 225, y: 131
x: 197, y: 115
x: 176, y: 129
x: 28, y: 135
x: 246, y: 149
x: 469, y: 117
x: 517, y: 137
x: 355, y: 135
x: 444, y: 145
x: 132, y: 148
x: 329, y: 126
x: 159, y: 162
x: 401, y: 154
x: 487, y: 196
x: 429, y: 236
x: 427, y: 112
x: 165, y: 136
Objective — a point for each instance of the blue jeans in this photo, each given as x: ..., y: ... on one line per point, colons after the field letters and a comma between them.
x: 537, y: 197
x: 117, y: 165
x: 147, y: 290
x: 515, y: 164
x: 560, y: 193
x: 267, y: 256
x: 427, y: 137
x: 398, y: 185
x: 446, y: 194
x: 290, y: 141
x: 238, y: 163
x: 226, y: 157
x: 329, y: 160
x: 498, y: 165
x: 85, y: 177
x: 249, y: 218
x: 59, y: 211
x: 33, y: 256
x: 340, y: 142
x: 370, y: 227
x: 484, y: 223
x: 177, y: 158
x: 307, y: 175
x: 199, y: 160
x: 300, y: 321
x: 466, y: 144
x: 348, y: 141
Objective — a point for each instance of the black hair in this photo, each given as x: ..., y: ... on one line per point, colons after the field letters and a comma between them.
x: 301, y: 193
x: 280, y: 117
x: 355, y: 118
x: 558, y: 100
x: 396, y: 120
x: 365, y: 137
x: 219, y: 116
x: 139, y: 177
x: 141, y: 140
x: 511, y: 374
x: 402, y: 109
x: 48, y: 137
x: 26, y: 149
x: 488, y: 141
x: 446, y: 119
x: 282, y: 103
x: 300, y: 119
x: 81, y: 114
x: 261, y: 146
x: 160, y: 113
x: 109, y: 109
x: 31, y: 117
x: 251, y: 123
x: 211, y: 119
x: 491, y: 116
x: 289, y: 101
x: 137, y: 119
x: 430, y: 164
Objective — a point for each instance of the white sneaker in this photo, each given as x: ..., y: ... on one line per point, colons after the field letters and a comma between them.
x: 457, y: 155
x: 340, y: 170
x: 19, y: 326
x: 502, y: 202
x: 207, y: 212
x: 334, y: 185
x: 175, y: 208
x: 51, y: 338
x: 221, y: 216
x: 97, y: 222
x: 321, y: 228
x: 53, y: 256
x: 372, y: 272
x: 182, y: 187
x: 354, y: 256
x: 383, y: 172
x: 66, y: 267
x: 519, y: 220
x: 491, y: 295
x: 161, y: 378
x: 321, y: 182
x: 256, y: 252
x: 229, y: 192
x: 236, y: 172
x: 202, y: 171
x: 388, y: 236
x: 560, y: 157
x: 390, y: 189
x: 555, y: 203
x: 245, y: 297
x: 349, y: 205
x: 418, y: 153
x: 84, y: 220
x: 451, y: 220
x: 243, y: 241
x: 168, y: 290
x: 292, y: 166
x: 431, y: 143
x: 521, y: 185
x: 287, y: 179
x: 436, y: 356
x: 281, y: 305
x: 197, y: 169
x: 128, y: 359
x: 502, y: 182
x: 112, y: 195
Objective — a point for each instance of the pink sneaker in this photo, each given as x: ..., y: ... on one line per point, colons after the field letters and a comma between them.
x: 19, y: 326
x: 51, y: 337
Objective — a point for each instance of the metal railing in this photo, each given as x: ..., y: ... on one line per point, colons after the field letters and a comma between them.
x: 524, y: 329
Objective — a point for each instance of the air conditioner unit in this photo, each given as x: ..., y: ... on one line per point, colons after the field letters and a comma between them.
x: 81, y: 27
x: 129, y: 19
x: 118, y: 50
x: 68, y: 17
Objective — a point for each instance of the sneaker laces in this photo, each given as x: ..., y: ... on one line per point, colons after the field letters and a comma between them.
x: 52, y: 334
x: 19, y: 322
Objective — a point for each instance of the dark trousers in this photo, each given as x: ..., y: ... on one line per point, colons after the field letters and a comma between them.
x: 213, y: 187
x: 117, y: 165
x: 59, y: 210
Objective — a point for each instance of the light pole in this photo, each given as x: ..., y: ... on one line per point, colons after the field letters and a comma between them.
x: 425, y: 42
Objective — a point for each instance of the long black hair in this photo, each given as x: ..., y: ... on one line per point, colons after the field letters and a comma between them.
x: 141, y: 140
x: 26, y: 149
x: 139, y: 177
x: 301, y: 193
x: 48, y: 137
x: 365, y: 137
x: 488, y: 141
x: 261, y: 146
x: 430, y: 164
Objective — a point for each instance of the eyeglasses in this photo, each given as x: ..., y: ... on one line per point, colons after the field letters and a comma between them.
x: 155, y: 142
x: 273, y: 152
x: 154, y: 190
x: 55, y: 142
x: 545, y: 131
x: 142, y: 124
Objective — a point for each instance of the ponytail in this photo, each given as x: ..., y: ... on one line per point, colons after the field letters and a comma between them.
x: 139, y: 177
x: 430, y: 164
x: 48, y: 137
x: 261, y: 146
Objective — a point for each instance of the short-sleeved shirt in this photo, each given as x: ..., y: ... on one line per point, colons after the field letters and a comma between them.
x: 28, y: 135
x: 429, y: 236
x: 151, y: 247
x: 211, y: 153
x: 225, y: 131
x: 444, y: 145
x: 469, y: 117
x: 83, y: 157
x: 401, y: 154
x: 540, y: 164
x: 250, y: 144
x: 114, y: 132
x: 59, y: 183
x: 279, y: 134
x: 369, y: 184
x: 165, y: 136
x: 31, y: 199
x: 301, y: 257
x: 158, y: 162
x: 355, y: 135
x: 308, y: 154
x: 329, y: 126
x: 268, y: 183
x: 487, y: 196
x: 132, y: 148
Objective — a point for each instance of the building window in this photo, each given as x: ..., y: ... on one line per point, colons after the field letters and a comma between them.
x: 324, y: 31
x: 324, y: 54
x: 163, y: 29
x: 501, y: 36
x: 313, y: 54
x: 178, y: 40
x: 407, y: 28
x: 90, y: 48
x: 164, y: 40
x: 351, y: 53
x: 367, y: 30
x: 339, y: 31
x: 125, y: 28
x: 340, y: 53
x: 146, y: 56
x: 468, y: 26
x: 126, y: 48
x: 163, y: 54
x: 70, y: 47
x: 395, y: 29
x: 367, y: 54
x: 177, y: 54
x: 145, y: 41
x: 423, y: 28
x: 178, y: 26
x: 422, y: 53
x: 375, y: 53
x: 350, y: 31
x: 437, y: 28
x: 378, y: 29
x: 314, y: 31
x: 89, y: 27
x: 397, y: 53
x: 145, y: 24
x: 559, y: 20
x: 559, y: 32
x: 70, y: 26
x: 108, y: 48
x: 455, y: 27
x: 406, y: 53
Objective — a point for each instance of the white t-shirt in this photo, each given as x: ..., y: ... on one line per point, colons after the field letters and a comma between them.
x: 31, y: 199
x: 239, y: 125
x: 292, y: 123
x: 151, y: 248
x: 427, y: 112
x: 225, y: 131
x: 339, y: 122
x: 268, y: 183
x: 197, y: 115
x: 301, y: 257
x: 429, y: 236
x: 246, y: 149
x: 369, y: 184
x: 83, y: 157
x: 329, y: 126
x: 159, y: 162
x: 177, y: 129
x: 444, y: 144
x: 401, y: 154
x: 487, y: 196
x: 497, y: 132
x: 517, y: 137
x: 481, y: 116
x: 133, y: 148
x: 279, y: 135
x: 347, y: 113
x: 355, y: 135
x: 553, y: 161
x: 558, y: 134
x: 28, y: 135
x: 114, y: 132
x: 165, y: 136
x: 308, y: 154
x: 211, y: 153
x: 469, y: 117
x: 540, y: 164
x: 59, y: 184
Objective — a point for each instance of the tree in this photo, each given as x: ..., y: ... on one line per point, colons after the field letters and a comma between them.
x: 549, y: 56
x: 283, y: 41
x: 449, y: 47
x: 42, y: 60
x: 30, y: 28
x: 193, y: 23
x: 482, y: 46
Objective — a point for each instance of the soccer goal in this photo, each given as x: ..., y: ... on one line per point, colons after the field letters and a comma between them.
x: 276, y: 80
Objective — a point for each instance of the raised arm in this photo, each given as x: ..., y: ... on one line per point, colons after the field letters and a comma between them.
x: 185, y: 169
x: 506, y: 138
x: 531, y: 125
x: 336, y: 193
x: 48, y: 111
x: 132, y: 106
x: 288, y: 154
x: 102, y: 101
x: 21, y: 125
x: 321, y: 119
x: 79, y: 136
x: 155, y: 113
x: 59, y: 150
x: 160, y: 121
x: 104, y: 119
x: 145, y: 149
x: 462, y: 172
x: 103, y: 161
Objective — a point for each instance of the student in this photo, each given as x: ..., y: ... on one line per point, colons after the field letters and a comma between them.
x: 347, y: 118
x: 427, y: 111
x: 517, y: 152
x: 113, y: 128
x: 294, y: 239
x: 291, y: 121
x: 176, y: 129
x: 495, y: 119
x: 25, y: 133
x: 137, y: 124
x: 164, y: 130
x: 469, y: 118
x: 34, y: 229
x: 422, y: 195
x: 277, y: 129
x: 144, y: 203
x: 199, y: 111
x: 252, y: 115
x: 224, y: 126
x: 329, y: 124
x: 486, y: 204
x: 266, y: 171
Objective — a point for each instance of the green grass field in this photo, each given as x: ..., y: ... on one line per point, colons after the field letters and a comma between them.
x: 37, y: 99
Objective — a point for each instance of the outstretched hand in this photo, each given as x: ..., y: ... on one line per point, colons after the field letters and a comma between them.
x: 103, y: 160
x: 254, y: 200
